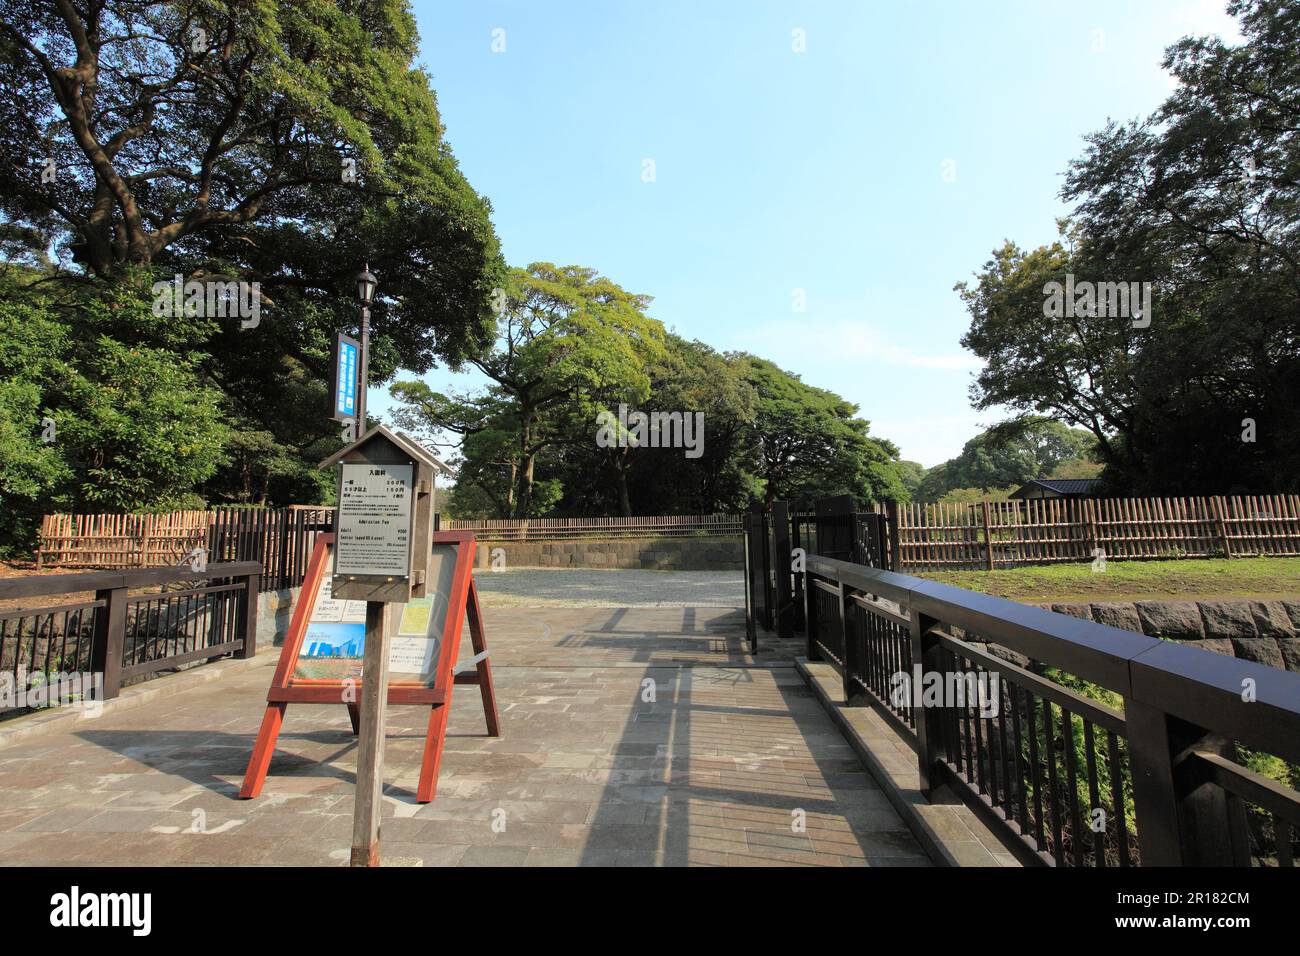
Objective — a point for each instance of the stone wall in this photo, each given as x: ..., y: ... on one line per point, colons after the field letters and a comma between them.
x: 1267, y: 632
x: 658, y: 554
x: 274, y: 610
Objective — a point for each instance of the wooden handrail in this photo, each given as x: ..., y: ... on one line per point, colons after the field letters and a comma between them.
x: 75, y: 582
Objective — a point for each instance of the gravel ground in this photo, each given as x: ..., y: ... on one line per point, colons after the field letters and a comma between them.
x: 548, y: 587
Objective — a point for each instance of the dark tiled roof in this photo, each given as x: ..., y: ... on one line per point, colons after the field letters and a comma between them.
x: 1062, y: 486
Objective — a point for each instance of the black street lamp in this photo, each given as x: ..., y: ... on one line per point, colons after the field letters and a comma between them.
x: 366, y: 283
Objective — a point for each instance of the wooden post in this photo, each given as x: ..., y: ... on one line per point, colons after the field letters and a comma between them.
x: 1216, y: 506
x: 107, y: 644
x: 781, y: 557
x: 810, y: 615
x: 988, y: 537
x: 246, y: 616
x: 928, y: 654
x: 895, y: 550
x: 1181, y: 821
x: 854, y: 666
x: 368, y: 809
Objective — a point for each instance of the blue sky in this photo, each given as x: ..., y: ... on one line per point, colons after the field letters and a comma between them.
x: 872, y: 171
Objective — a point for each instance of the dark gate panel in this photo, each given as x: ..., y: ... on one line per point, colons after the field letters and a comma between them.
x: 785, y: 615
x: 835, y: 527
x: 758, y: 576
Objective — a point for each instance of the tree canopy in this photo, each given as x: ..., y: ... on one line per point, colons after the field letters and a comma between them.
x: 1008, y: 455
x: 278, y: 144
x: 1201, y: 200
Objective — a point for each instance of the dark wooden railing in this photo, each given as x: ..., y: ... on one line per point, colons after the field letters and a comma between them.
x: 281, y: 539
x: 123, y: 636
x: 1083, y: 744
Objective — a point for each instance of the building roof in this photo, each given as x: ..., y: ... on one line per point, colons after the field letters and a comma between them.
x: 1061, y: 486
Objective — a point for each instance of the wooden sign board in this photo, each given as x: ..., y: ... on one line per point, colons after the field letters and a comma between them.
x: 384, y: 519
x: 320, y: 662
x: 373, y: 524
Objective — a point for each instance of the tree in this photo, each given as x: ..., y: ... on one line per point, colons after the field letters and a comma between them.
x: 689, y: 379
x: 568, y: 340
x: 1008, y: 455
x: 808, y: 442
x: 911, y: 474
x: 277, y: 143
x: 1201, y: 200
x: 98, y: 411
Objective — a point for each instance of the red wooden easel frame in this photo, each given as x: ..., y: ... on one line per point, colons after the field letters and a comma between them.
x: 287, y: 689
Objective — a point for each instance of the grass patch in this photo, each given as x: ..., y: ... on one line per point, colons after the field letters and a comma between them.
x: 1186, y: 579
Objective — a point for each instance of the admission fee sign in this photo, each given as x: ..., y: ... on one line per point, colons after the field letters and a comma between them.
x: 373, y: 520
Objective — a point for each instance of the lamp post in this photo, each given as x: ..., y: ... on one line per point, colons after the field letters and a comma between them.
x: 366, y: 283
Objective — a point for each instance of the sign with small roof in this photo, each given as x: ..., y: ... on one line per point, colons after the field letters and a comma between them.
x: 384, y: 521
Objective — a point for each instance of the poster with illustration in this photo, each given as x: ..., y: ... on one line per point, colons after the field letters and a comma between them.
x: 413, y: 650
x: 336, y: 637
x: 335, y: 641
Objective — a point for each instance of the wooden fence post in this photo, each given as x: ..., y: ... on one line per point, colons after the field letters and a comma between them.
x: 1216, y: 507
x: 246, y: 616
x: 895, y: 551
x: 928, y: 654
x: 782, y: 559
x: 1180, y: 821
x: 988, y: 537
x: 108, y: 637
x: 810, y: 614
x: 854, y: 665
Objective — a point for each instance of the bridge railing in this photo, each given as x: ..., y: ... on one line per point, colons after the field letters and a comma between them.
x: 128, y: 630
x: 1083, y: 745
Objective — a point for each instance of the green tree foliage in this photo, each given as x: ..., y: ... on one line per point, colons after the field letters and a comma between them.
x: 569, y: 341
x: 911, y: 474
x: 98, y: 411
x: 571, y: 347
x: 808, y: 442
x: 689, y: 378
x: 282, y: 143
x: 1006, y: 456
x: 1202, y: 200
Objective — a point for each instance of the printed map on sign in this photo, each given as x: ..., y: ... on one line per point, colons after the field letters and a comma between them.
x: 413, y: 650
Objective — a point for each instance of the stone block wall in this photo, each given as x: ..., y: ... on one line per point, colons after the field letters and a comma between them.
x: 1267, y: 632
x: 656, y: 554
x: 274, y: 611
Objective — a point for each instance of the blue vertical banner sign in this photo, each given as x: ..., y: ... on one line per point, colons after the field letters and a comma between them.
x: 345, y: 358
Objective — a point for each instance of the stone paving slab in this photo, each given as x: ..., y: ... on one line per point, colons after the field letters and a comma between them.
x: 631, y: 737
x: 586, y: 587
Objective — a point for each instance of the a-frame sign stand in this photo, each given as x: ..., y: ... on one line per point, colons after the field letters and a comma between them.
x: 462, y: 602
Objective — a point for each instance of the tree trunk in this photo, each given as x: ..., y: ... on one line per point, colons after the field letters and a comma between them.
x: 624, y: 502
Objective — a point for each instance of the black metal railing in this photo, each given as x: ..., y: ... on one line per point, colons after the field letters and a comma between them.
x: 1083, y: 745
x: 121, y: 635
x: 48, y: 639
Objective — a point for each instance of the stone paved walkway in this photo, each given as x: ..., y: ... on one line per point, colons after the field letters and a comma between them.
x: 731, y: 751
x: 585, y: 587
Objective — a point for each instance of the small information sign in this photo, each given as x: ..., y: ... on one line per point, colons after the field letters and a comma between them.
x: 374, y: 520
